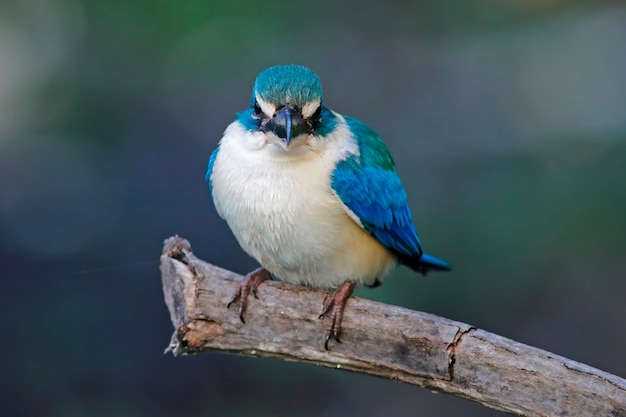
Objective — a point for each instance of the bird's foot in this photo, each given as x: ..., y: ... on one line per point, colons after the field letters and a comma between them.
x: 249, y: 285
x: 335, y: 307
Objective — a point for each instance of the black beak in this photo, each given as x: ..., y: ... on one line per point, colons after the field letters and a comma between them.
x: 287, y: 123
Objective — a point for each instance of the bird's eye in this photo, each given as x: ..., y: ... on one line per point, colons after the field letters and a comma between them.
x: 315, y: 119
x: 257, y: 112
x: 317, y: 113
x: 317, y: 116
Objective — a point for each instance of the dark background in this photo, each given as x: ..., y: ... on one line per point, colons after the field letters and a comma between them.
x: 508, y: 125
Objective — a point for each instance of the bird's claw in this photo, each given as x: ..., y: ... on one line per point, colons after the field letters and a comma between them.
x: 249, y: 285
x: 336, y: 307
x: 235, y: 296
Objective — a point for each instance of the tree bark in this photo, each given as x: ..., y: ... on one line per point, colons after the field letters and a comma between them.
x: 388, y: 341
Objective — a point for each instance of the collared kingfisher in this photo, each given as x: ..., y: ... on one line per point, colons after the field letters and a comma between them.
x: 311, y: 194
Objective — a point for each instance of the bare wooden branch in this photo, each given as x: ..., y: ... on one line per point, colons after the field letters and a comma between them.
x: 378, y: 339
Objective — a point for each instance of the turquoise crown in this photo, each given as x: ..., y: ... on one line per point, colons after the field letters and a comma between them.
x: 288, y: 84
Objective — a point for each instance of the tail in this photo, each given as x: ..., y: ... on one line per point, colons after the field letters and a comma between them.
x: 426, y: 263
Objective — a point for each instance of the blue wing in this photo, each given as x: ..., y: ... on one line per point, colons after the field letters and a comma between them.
x: 209, y: 170
x: 370, y: 187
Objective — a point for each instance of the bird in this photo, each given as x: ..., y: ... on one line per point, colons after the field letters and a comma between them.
x: 312, y: 195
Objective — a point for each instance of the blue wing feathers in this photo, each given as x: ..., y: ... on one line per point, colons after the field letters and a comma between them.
x: 369, y: 186
x: 209, y: 170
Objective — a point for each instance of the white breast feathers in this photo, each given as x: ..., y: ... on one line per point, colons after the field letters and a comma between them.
x: 283, y: 211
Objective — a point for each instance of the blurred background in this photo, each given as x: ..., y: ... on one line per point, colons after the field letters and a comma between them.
x: 508, y: 125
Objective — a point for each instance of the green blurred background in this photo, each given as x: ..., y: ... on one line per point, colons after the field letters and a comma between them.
x: 508, y: 125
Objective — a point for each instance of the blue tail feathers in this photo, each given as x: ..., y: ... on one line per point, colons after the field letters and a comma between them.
x: 434, y: 263
x: 426, y: 263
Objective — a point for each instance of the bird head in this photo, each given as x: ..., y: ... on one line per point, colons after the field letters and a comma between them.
x: 286, y: 103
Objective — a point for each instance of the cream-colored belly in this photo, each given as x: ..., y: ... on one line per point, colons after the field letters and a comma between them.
x: 285, y: 214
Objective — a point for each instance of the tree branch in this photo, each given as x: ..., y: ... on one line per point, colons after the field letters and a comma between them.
x: 387, y: 341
